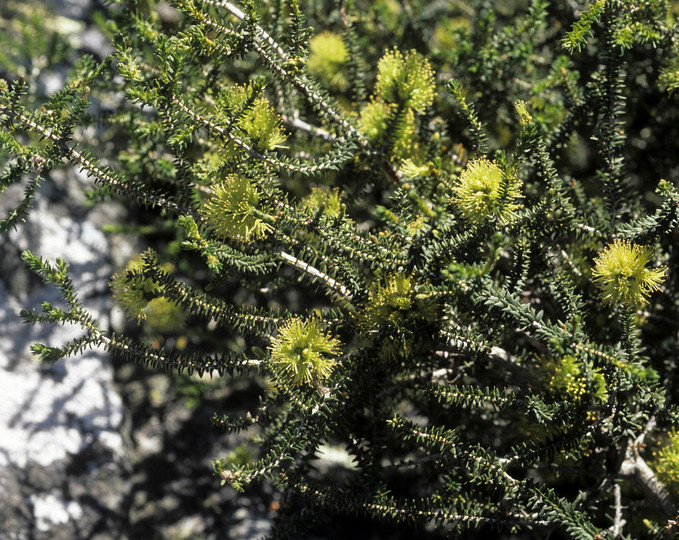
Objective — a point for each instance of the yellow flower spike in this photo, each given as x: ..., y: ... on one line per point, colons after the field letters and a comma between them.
x: 390, y: 75
x: 304, y: 352
x: 231, y: 210
x: 136, y: 299
x: 418, y: 90
x: 665, y: 462
x: 328, y: 56
x: 406, y: 80
x: 263, y: 125
x: 406, y: 142
x: 621, y: 274
x: 260, y: 123
x: 567, y: 379
x: 478, y: 193
x: 374, y: 120
x: 388, y: 303
x: 329, y: 199
x: 525, y: 117
x: 392, y: 302
x: 411, y: 170
x: 163, y: 315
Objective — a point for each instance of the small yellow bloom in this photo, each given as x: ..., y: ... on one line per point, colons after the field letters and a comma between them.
x: 408, y: 80
x: 666, y: 462
x: 481, y: 193
x: 522, y: 110
x: 140, y: 299
x: 321, y: 197
x: 621, y: 274
x: 327, y: 60
x: 373, y: 120
x: 258, y: 122
x: 304, y: 352
x: 396, y: 303
x: 231, y: 210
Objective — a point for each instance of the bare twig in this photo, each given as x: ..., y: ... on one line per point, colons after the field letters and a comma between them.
x: 618, y: 522
x: 635, y: 467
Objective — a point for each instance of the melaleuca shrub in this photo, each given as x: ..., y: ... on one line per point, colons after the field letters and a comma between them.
x: 438, y: 239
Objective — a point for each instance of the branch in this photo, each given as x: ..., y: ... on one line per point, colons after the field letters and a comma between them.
x: 295, y: 122
x: 654, y: 490
x: 636, y: 468
x: 307, y: 268
x: 617, y: 526
x: 94, y: 170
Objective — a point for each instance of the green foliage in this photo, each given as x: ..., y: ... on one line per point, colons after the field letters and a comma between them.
x: 142, y: 299
x: 582, y: 29
x: 435, y: 235
x: 32, y: 39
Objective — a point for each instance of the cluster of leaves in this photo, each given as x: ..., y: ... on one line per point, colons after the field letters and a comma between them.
x: 435, y: 228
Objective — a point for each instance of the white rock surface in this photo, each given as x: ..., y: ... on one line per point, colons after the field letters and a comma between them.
x: 49, y: 414
x: 62, y: 425
x: 53, y: 510
x: 64, y: 449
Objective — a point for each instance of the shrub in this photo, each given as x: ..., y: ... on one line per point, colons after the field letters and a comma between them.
x: 440, y: 229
